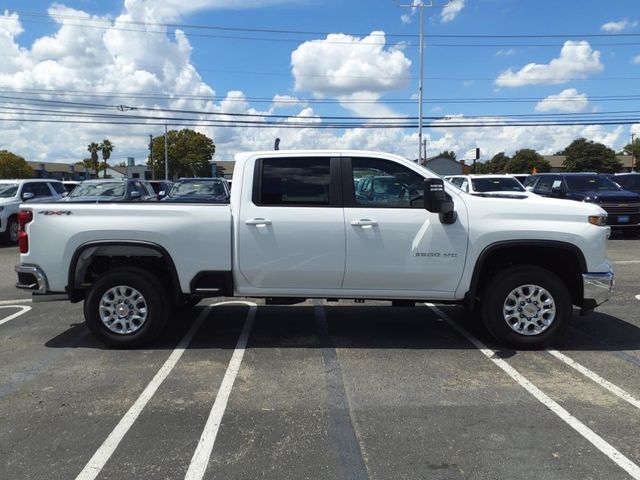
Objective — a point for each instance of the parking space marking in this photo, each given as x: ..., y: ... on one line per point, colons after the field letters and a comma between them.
x: 12, y: 302
x: 596, y: 440
x: 95, y: 465
x: 23, y: 309
x: 200, y: 459
x: 341, y: 429
x: 626, y: 262
x: 596, y: 378
x: 637, y: 297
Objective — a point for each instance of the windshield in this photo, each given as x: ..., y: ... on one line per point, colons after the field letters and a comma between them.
x: 628, y: 181
x: 103, y: 189
x: 590, y: 183
x: 506, y: 184
x: 8, y: 190
x: 204, y: 188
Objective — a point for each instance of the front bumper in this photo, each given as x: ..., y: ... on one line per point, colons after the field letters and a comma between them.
x: 597, y: 289
x: 31, y: 277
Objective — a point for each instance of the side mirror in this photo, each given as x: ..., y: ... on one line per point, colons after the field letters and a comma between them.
x: 135, y: 195
x: 161, y: 194
x: 436, y: 200
x: 529, y: 189
x: 28, y: 196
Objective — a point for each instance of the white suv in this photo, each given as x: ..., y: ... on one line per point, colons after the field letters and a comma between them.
x: 489, y: 185
x: 15, y: 192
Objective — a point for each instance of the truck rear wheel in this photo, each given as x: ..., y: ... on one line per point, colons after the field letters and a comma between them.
x: 126, y: 307
x: 11, y: 232
x: 527, y: 307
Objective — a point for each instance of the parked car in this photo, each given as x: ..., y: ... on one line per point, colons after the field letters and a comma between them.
x: 161, y: 187
x: 622, y: 206
x: 489, y: 185
x: 69, y: 185
x: 109, y: 190
x: 628, y: 181
x: 15, y: 192
x: 199, y: 190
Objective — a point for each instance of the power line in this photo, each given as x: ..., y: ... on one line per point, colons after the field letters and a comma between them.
x: 349, y: 43
x: 184, y: 26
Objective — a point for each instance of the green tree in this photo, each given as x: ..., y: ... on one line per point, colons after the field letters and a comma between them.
x: 93, y: 148
x: 106, y: 147
x: 525, y: 160
x: 14, y: 166
x: 189, y: 154
x: 448, y: 154
x: 587, y: 156
x: 497, y: 164
x: 633, y: 149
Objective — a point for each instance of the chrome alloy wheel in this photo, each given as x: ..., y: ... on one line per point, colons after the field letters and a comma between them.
x: 14, y: 228
x: 529, y: 310
x: 123, y: 310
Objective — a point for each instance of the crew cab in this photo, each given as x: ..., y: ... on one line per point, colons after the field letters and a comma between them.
x: 295, y: 228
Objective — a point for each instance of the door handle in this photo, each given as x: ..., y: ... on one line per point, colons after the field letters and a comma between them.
x: 364, y: 222
x: 258, y: 222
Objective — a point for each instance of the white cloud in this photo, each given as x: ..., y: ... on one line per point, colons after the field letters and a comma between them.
x: 286, y: 101
x: 344, y: 65
x: 505, y: 52
x: 577, y: 60
x: 405, y: 18
x: 546, y: 140
x: 614, y: 27
x: 451, y: 11
x: 568, y: 100
x: 636, y: 59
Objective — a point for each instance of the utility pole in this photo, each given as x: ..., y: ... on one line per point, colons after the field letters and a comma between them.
x: 633, y: 153
x: 421, y: 5
x: 166, y: 155
x: 153, y: 172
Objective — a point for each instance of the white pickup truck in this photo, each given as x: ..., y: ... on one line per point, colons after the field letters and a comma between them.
x: 327, y: 225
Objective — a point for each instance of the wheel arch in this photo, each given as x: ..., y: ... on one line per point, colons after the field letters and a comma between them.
x: 564, y: 259
x: 147, y: 255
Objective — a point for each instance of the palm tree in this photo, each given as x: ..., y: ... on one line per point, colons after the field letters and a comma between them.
x: 106, y: 147
x: 93, y: 148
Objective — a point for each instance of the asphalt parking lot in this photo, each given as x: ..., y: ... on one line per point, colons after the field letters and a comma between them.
x: 319, y: 391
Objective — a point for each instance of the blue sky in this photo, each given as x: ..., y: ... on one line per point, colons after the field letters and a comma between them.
x: 497, y: 61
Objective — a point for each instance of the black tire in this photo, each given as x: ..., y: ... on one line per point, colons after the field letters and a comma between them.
x: 526, y: 327
x: 11, y: 232
x: 132, y: 288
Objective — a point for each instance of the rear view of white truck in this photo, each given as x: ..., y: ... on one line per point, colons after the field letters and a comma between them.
x: 328, y: 225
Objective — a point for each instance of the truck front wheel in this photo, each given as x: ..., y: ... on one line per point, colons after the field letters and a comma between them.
x: 126, y: 307
x: 527, y: 307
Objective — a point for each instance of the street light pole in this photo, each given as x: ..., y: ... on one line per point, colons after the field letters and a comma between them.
x: 166, y: 155
x: 153, y: 172
x: 421, y: 5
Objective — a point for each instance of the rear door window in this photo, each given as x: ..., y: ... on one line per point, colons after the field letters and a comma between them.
x: 294, y: 182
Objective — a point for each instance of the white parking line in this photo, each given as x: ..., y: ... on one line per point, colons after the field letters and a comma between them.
x: 626, y: 262
x: 200, y: 460
x: 596, y: 440
x: 596, y: 378
x: 23, y: 309
x: 12, y: 302
x: 104, y: 452
x: 637, y: 297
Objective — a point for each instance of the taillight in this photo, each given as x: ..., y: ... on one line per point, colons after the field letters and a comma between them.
x: 24, y: 217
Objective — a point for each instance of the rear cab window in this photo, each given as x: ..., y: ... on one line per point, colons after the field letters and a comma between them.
x: 293, y: 181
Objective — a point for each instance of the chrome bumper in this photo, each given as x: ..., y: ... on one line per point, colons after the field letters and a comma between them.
x: 31, y: 277
x: 597, y: 288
